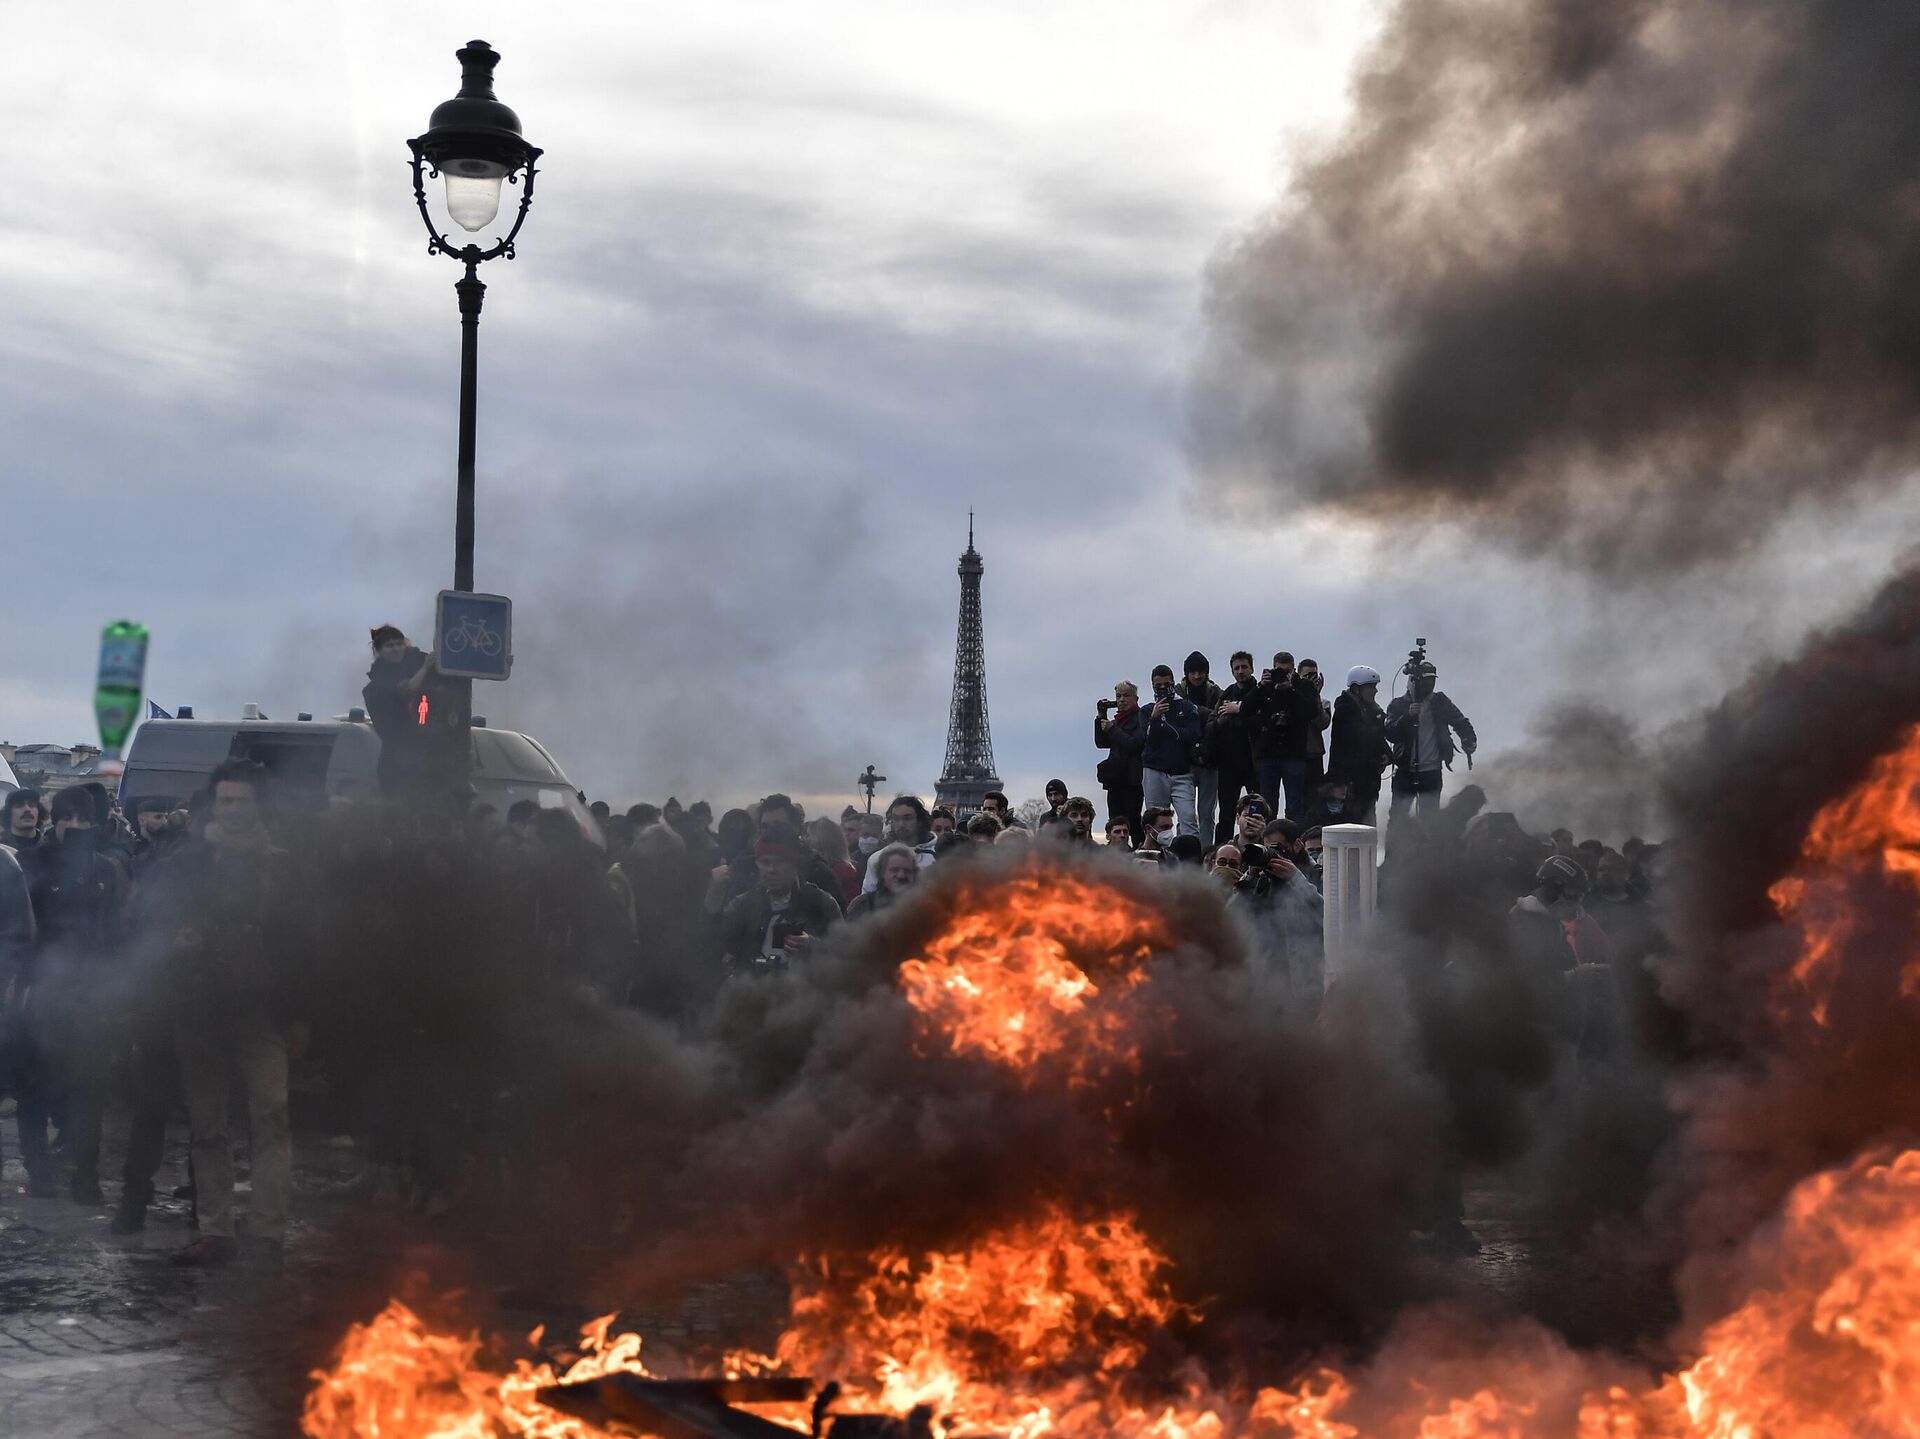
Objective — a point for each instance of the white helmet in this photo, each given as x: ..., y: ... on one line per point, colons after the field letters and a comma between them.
x: 1362, y: 675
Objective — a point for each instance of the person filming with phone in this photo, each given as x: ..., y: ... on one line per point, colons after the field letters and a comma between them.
x: 1173, y: 730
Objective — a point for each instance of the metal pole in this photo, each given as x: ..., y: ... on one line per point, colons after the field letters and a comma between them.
x: 471, y: 292
x: 459, y: 716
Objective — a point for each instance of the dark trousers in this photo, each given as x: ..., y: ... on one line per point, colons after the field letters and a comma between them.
x: 155, y: 1078
x: 33, y: 1093
x: 1232, y: 786
x: 1287, y: 785
x: 1416, y: 792
x: 1366, y: 803
x: 64, y: 1081
x: 1125, y: 804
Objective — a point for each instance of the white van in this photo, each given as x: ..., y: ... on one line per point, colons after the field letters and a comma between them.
x: 314, y: 762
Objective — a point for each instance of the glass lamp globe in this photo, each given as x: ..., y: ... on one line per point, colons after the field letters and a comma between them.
x: 473, y: 191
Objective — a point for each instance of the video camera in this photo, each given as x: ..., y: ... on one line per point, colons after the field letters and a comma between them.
x: 1416, y: 657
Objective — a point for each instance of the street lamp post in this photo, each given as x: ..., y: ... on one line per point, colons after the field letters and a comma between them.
x: 474, y: 142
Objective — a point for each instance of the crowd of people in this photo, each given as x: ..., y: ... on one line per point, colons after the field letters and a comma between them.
x: 150, y: 958
x: 1198, y: 746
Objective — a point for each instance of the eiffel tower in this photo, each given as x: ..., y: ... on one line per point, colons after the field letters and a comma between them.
x: 968, y: 774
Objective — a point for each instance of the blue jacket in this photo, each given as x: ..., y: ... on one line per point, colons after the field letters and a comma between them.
x: 1170, y: 739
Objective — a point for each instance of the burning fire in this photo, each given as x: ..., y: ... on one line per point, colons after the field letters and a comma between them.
x: 1874, y: 830
x: 1043, y: 1298
x: 1046, y: 965
x: 397, y: 1377
x: 1048, y: 1327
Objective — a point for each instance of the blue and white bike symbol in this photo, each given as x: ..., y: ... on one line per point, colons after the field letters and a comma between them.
x: 473, y: 634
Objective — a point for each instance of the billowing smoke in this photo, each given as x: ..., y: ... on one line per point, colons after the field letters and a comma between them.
x: 693, y: 643
x: 1626, y: 281
x: 1651, y: 1118
x: 1584, y: 764
x: 1281, y: 1163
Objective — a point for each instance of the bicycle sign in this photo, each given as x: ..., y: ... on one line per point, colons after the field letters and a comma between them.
x: 473, y: 635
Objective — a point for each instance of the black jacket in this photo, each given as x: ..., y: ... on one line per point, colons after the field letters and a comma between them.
x: 1403, y: 730
x: 1288, y: 721
x: 393, y: 711
x: 1125, y: 740
x: 745, y: 923
x: 1230, y: 737
x: 79, y: 899
x: 1359, y: 749
x: 234, y: 926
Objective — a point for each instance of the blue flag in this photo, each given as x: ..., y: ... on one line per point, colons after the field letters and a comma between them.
x: 155, y: 712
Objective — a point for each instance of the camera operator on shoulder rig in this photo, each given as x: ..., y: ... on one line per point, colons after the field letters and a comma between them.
x: 1421, y: 725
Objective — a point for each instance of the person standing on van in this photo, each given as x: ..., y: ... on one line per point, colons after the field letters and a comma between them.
x: 396, y: 685
x: 232, y: 933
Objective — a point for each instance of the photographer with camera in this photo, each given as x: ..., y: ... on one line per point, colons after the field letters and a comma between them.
x: 1121, y: 730
x: 1421, y: 725
x: 1173, y: 729
x: 1308, y: 674
x: 779, y: 919
x: 1230, y: 741
x: 1359, y: 752
x: 1278, y: 899
x: 1285, y: 737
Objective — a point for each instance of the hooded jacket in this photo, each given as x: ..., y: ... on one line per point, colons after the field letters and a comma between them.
x: 1205, y: 697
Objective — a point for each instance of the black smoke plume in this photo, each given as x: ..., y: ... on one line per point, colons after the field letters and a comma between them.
x: 1627, y: 281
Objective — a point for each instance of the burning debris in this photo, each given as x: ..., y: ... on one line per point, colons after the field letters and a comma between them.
x: 1053, y: 1312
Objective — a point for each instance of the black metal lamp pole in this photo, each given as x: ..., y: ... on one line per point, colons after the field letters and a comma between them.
x: 474, y: 141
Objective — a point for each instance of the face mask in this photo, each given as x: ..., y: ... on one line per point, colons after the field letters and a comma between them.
x: 868, y: 844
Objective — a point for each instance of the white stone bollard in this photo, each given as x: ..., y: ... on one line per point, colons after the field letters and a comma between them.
x: 1348, y: 863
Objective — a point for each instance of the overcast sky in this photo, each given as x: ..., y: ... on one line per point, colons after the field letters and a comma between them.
x: 802, y: 284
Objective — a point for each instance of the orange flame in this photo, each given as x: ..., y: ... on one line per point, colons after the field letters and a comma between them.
x: 1875, y: 830
x: 1042, y: 969
x: 1023, y: 1305
x: 1042, y: 1329
x: 397, y: 1377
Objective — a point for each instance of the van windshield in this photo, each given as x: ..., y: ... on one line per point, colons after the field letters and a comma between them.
x: 501, y: 754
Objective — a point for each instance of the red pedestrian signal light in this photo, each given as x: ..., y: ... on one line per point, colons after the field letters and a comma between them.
x: 423, y: 709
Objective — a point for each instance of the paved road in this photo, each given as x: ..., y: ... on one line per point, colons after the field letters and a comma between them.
x: 101, y: 1335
